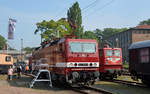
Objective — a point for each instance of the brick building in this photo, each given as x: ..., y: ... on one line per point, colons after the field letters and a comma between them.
x: 126, y: 38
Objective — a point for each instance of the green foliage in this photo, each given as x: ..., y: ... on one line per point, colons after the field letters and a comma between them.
x: 126, y: 66
x: 110, y: 31
x: 75, y: 19
x: 102, y: 35
x: 147, y: 22
x: 89, y: 35
x: 99, y: 35
x: 2, y: 42
x: 11, y: 48
x: 28, y: 49
x: 53, y: 29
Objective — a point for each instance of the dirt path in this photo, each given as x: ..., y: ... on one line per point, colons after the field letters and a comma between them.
x: 18, y: 90
x: 19, y: 86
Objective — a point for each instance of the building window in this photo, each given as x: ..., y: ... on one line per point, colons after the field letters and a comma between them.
x: 144, y: 55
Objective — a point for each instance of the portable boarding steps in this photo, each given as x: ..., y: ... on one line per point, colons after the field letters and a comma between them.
x: 37, y: 77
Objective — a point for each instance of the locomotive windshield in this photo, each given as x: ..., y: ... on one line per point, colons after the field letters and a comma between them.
x: 108, y: 52
x: 112, y: 52
x: 82, y: 47
x: 116, y: 52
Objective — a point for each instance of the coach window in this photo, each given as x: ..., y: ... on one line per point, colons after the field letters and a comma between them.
x: 8, y: 58
x: 144, y: 55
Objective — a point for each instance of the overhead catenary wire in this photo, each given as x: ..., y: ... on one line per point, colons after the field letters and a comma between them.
x: 90, y: 5
x: 105, y: 5
x: 62, y: 11
x: 84, y: 9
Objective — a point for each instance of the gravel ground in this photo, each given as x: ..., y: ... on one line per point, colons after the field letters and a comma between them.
x: 20, y: 86
x: 121, y: 89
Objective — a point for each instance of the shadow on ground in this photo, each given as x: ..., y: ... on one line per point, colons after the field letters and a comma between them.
x: 121, y: 88
x: 25, y: 80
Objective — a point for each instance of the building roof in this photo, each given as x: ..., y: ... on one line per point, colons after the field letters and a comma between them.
x: 142, y: 27
x: 141, y: 44
x: 12, y: 51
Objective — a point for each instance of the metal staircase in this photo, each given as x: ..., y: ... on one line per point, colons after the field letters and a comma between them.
x: 37, y: 77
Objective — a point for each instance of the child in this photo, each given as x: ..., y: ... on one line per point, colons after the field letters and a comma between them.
x: 26, y: 69
x: 10, y: 73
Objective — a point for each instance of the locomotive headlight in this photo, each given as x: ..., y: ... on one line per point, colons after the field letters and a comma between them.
x: 70, y: 64
x: 95, y: 64
x: 75, y: 64
x: 91, y: 64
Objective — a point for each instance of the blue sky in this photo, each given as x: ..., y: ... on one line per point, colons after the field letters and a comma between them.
x: 102, y: 14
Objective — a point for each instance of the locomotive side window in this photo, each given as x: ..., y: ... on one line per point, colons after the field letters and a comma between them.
x: 144, y: 55
x: 8, y: 58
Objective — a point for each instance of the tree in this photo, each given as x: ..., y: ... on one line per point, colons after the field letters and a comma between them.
x: 99, y: 34
x: 89, y: 35
x: 2, y: 43
x: 147, y: 22
x: 28, y: 49
x: 53, y: 29
x: 75, y: 19
x: 110, y: 31
x: 103, y: 35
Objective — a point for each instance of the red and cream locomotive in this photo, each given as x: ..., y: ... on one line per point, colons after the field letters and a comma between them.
x: 70, y: 60
x: 110, y: 62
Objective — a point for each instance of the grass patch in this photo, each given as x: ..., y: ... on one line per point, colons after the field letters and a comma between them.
x: 126, y: 66
x: 127, y: 78
x: 121, y: 88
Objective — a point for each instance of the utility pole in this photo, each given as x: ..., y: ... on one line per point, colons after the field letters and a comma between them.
x: 21, y: 49
x: 117, y: 42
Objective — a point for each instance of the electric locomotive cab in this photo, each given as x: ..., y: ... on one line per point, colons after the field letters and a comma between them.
x: 82, y: 60
x: 110, y: 62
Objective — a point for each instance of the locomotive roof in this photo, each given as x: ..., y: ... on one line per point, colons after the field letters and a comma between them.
x: 141, y: 44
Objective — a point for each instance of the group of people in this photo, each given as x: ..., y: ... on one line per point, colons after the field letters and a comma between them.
x: 18, y: 70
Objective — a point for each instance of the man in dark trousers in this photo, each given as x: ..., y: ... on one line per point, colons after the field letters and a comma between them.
x: 19, y: 71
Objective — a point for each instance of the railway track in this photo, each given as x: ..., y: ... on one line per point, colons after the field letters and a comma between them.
x: 129, y: 83
x: 90, y: 90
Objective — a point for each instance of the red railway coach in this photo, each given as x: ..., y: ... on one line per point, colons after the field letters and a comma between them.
x: 71, y: 60
x: 110, y: 62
